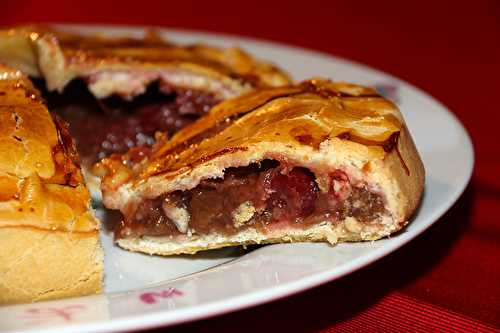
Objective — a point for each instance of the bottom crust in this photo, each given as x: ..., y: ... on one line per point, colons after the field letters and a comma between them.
x: 53, y: 264
x: 350, y: 230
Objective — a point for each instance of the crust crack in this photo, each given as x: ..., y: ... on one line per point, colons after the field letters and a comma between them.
x: 25, y: 254
x: 73, y: 285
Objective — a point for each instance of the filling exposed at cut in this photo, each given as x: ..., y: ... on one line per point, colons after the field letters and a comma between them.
x: 114, y: 125
x: 265, y: 196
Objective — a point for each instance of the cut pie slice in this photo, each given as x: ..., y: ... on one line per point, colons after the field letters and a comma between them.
x: 317, y: 161
x: 49, y: 235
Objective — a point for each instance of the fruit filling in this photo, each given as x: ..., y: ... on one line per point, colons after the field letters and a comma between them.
x: 114, y: 125
x: 266, y: 196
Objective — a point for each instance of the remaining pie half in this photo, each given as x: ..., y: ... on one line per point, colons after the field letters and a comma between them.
x: 317, y: 161
x: 116, y: 92
x: 49, y: 235
x: 125, y: 66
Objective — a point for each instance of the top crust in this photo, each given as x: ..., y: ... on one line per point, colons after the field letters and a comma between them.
x: 60, y: 57
x: 41, y: 184
x: 317, y: 124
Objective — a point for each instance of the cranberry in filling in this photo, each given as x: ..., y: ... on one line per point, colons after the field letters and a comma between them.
x: 113, y: 125
x: 292, y: 195
x: 263, y: 196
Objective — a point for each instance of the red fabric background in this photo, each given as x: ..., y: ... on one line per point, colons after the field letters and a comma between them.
x: 451, y: 49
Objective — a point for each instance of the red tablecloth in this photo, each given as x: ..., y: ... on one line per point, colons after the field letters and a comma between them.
x: 450, y: 276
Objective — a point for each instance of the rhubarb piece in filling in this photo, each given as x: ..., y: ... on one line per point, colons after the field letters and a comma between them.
x: 264, y: 196
x: 113, y: 125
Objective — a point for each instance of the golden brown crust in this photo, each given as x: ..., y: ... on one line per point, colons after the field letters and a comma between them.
x: 303, y: 115
x: 319, y: 125
x: 50, y: 237
x: 61, y: 56
x: 43, y: 184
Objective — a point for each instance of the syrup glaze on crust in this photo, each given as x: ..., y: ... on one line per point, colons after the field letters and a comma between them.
x: 41, y: 185
x: 324, y: 110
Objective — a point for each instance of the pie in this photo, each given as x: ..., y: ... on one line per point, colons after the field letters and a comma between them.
x: 198, y: 147
x: 315, y: 161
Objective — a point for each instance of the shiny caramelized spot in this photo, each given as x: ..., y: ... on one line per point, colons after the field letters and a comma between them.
x: 307, y: 136
x: 137, y: 154
x: 344, y: 136
x: 391, y: 142
x: 65, y: 155
x: 367, y: 167
x: 225, y: 151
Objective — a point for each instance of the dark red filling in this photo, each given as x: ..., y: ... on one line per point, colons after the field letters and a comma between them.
x: 113, y: 125
x: 279, y: 199
x: 292, y: 195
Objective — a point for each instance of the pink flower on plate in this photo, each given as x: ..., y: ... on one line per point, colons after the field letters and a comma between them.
x: 44, y: 314
x: 151, y: 297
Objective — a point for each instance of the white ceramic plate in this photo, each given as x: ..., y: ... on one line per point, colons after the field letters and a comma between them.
x: 144, y: 291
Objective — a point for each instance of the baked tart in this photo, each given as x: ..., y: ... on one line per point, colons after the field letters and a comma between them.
x: 315, y: 161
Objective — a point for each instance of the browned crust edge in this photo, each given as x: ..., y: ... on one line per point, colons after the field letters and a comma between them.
x: 405, y: 167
